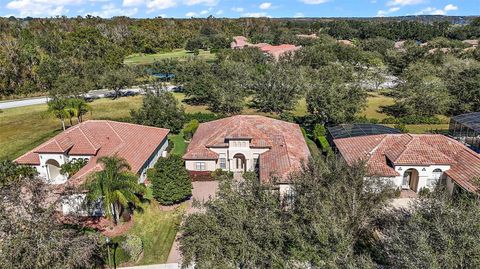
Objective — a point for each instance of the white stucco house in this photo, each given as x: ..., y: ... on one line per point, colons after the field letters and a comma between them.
x: 241, y: 143
x: 140, y: 145
x: 412, y: 161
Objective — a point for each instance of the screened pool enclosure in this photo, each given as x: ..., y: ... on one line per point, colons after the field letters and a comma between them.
x: 466, y: 129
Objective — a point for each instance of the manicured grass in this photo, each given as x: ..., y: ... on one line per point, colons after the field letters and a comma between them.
x: 425, y: 128
x: 24, y: 128
x: 179, y: 144
x: 314, y: 150
x: 157, y: 229
x: 141, y: 58
x: 374, y: 102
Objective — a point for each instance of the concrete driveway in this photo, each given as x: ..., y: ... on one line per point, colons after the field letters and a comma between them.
x: 202, y: 191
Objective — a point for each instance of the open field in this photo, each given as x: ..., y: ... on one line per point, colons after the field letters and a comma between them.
x: 141, y: 58
x: 21, y: 129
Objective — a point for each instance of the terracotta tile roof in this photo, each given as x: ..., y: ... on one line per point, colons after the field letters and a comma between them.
x: 409, y: 149
x: 97, y: 138
x: 287, y: 147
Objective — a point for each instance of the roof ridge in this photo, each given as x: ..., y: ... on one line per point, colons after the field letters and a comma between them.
x: 370, y: 153
x: 115, y: 131
x: 88, y: 139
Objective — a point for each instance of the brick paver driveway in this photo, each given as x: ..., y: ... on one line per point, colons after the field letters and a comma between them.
x: 202, y: 191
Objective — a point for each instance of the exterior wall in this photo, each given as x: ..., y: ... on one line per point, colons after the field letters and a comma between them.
x: 426, y: 177
x: 159, y: 152
x: 43, y: 168
x: 249, y: 153
x: 450, y: 185
x: 210, y: 165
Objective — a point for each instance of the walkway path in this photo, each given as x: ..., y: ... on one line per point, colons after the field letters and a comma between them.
x: 202, y: 191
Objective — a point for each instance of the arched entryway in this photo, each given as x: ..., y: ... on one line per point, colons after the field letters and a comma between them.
x: 53, y: 170
x: 239, y: 162
x: 410, y: 180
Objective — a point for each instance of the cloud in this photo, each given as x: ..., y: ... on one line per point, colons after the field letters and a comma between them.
x: 131, y: 3
x: 436, y: 11
x: 220, y: 12
x: 191, y: 14
x: 110, y: 10
x: 203, y: 2
x: 238, y: 9
x: 160, y: 4
x: 255, y: 14
x: 382, y: 13
x: 298, y: 15
x: 265, y: 5
x: 41, y: 8
x: 314, y: 2
x: 405, y: 2
x: 450, y: 7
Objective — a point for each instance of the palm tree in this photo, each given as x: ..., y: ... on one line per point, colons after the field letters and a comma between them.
x: 116, y: 185
x: 58, y: 108
x: 77, y: 108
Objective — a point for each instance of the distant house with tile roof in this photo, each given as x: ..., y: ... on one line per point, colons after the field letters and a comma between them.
x: 240, y: 42
x: 413, y: 161
x: 140, y: 145
x: 242, y: 143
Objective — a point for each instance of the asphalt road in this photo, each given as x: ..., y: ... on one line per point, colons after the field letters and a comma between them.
x: 23, y: 102
x: 43, y: 100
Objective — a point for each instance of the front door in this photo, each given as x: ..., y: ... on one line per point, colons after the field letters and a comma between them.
x: 406, y: 180
x: 239, y: 162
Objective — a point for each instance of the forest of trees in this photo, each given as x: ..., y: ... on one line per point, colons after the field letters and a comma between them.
x: 64, y: 56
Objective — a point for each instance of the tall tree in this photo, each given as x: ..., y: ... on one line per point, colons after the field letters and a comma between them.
x: 321, y: 223
x: 334, y: 95
x: 58, y: 108
x: 118, y: 79
x: 116, y: 186
x: 161, y: 109
x: 77, y: 108
x: 278, y: 88
x: 31, y: 235
x: 439, y: 231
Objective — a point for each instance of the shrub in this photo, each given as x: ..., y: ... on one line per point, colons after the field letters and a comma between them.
x: 133, y: 245
x: 319, y: 130
x: 219, y: 173
x: 412, y: 119
x: 401, y: 127
x: 324, y: 145
x: 424, y: 192
x: 202, y: 117
x: 190, y: 128
x: 170, y: 180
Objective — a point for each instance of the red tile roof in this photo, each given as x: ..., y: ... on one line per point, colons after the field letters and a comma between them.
x: 409, y: 149
x: 97, y: 138
x: 287, y: 147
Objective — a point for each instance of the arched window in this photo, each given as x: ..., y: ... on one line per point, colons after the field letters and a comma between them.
x: 437, y: 173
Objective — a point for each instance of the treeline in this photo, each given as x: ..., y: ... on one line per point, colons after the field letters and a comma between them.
x: 71, y: 56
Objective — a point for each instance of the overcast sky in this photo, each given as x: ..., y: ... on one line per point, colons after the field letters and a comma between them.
x: 236, y: 8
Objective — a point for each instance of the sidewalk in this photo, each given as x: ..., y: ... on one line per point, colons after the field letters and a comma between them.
x: 155, y: 266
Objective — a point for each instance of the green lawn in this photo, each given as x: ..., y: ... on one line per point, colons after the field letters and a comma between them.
x: 141, y: 58
x: 157, y: 229
x: 374, y: 103
x: 314, y: 150
x: 179, y: 144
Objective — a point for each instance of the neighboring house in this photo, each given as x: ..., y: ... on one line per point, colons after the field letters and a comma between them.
x: 273, y: 148
x: 400, y: 45
x: 345, y: 42
x: 140, y: 145
x: 414, y: 162
x: 471, y: 42
x: 276, y: 52
x: 239, y: 42
x: 466, y: 129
